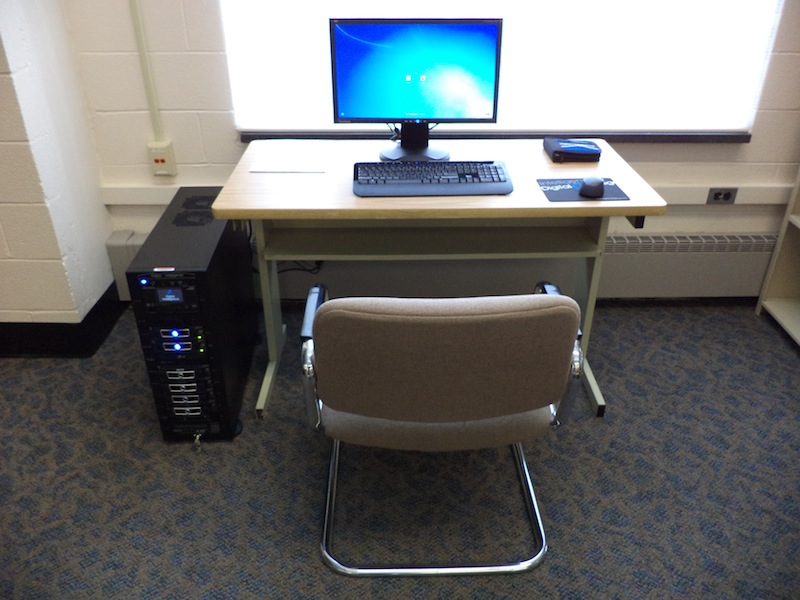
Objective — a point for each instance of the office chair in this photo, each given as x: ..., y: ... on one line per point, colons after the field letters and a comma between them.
x: 441, y: 374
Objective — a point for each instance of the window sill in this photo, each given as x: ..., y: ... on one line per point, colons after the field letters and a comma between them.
x: 632, y: 137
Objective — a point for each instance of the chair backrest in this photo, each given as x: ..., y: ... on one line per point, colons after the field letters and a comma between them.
x: 444, y: 360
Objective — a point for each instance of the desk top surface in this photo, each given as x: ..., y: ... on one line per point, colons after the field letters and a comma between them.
x: 313, y: 179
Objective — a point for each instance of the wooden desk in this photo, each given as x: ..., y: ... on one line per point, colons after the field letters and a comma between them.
x: 300, y: 194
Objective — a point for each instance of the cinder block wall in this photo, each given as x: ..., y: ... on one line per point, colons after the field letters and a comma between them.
x: 57, y: 209
x: 53, y: 265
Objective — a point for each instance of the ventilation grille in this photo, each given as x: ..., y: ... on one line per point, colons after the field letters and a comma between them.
x: 193, y: 218
x: 196, y: 212
x: 690, y: 244
x: 198, y: 202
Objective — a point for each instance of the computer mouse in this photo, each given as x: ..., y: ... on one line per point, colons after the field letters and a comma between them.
x: 592, y: 187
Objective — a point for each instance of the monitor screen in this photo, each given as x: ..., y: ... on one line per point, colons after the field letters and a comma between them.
x: 415, y: 71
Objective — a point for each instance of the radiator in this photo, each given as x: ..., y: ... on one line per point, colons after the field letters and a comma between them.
x: 697, y: 265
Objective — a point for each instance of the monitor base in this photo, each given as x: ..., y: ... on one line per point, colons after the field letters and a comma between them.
x: 413, y: 145
x: 414, y: 154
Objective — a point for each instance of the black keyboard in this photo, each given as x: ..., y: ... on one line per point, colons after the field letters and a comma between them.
x: 431, y: 178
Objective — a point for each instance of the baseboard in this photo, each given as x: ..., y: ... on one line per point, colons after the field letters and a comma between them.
x: 63, y: 340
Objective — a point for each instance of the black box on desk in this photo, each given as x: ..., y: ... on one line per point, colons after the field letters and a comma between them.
x: 568, y: 150
x: 191, y: 289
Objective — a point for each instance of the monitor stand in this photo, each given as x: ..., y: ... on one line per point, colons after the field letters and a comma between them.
x: 413, y: 145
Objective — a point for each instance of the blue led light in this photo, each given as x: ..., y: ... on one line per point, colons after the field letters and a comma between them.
x: 177, y: 347
x: 174, y: 333
x: 144, y: 281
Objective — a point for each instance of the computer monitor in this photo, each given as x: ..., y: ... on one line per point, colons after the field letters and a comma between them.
x: 415, y: 72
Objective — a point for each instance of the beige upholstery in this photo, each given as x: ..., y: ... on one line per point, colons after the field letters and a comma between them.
x: 442, y: 374
x: 439, y: 375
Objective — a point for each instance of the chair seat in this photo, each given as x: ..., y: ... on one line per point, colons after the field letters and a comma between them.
x: 436, y: 437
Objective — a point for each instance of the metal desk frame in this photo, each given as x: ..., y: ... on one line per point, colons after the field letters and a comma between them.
x: 308, y: 212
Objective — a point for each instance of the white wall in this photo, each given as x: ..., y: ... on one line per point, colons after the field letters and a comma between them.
x: 186, y: 44
x: 186, y: 47
x: 764, y: 170
x: 53, y: 265
x: 187, y: 54
x: 186, y: 50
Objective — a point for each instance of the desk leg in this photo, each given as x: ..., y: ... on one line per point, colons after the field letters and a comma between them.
x: 593, y: 283
x: 273, y: 325
x: 595, y: 395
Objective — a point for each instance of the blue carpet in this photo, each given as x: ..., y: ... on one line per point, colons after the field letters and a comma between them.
x: 689, y: 487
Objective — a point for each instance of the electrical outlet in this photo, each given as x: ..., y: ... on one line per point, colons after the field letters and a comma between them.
x: 162, y: 158
x: 721, y: 195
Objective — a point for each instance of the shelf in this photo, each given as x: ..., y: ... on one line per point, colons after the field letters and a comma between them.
x: 387, y: 243
x: 780, y: 294
x: 786, y: 311
x: 784, y: 281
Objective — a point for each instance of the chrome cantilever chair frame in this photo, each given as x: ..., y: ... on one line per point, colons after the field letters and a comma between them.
x: 559, y: 413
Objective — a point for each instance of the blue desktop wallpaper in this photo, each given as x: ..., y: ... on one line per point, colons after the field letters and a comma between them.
x: 406, y: 71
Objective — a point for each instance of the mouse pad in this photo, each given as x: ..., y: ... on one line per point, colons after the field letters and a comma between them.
x: 566, y: 190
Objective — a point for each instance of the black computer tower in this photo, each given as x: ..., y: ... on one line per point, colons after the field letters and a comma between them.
x: 191, y: 287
